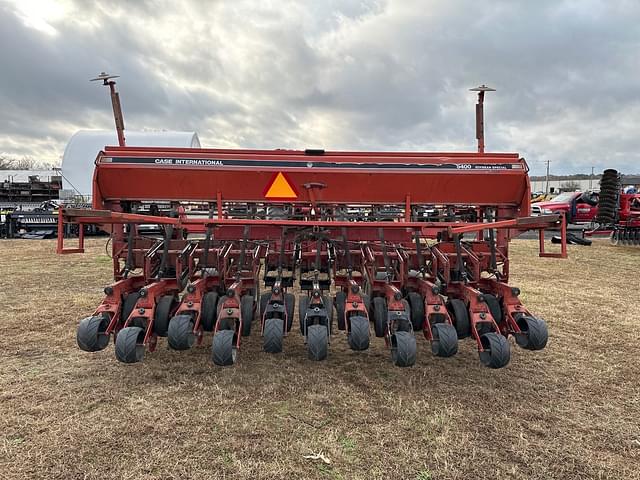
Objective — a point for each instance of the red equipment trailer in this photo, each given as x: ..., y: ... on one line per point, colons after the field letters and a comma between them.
x: 409, y: 241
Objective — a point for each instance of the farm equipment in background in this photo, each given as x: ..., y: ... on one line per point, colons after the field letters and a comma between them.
x: 618, y: 213
x: 413, y: 243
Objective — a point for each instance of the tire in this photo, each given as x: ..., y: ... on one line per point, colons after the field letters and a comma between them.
x: 340, y: 301
x: 380, y: 316
x: 129, y: 347
x: 416, y: 303
x: 615, y: 237
x: 328, y: 305
x: 264, y: 301
x: 366, y: 299
x: 494, y: 307
x: 496, y: 352
x: 534, y: 334
x: 445, y: 340
x: 223, y: 351
x: 290, y: 301
x: 272, y: 335
x: 180, y: 333
x: 359, y: 335
x: 317, y: 342
x: 303, y: 305
x: 403, y: 349
x: 128, y: 304
x: 90, y: 335
x: 162, y: 315
x: 220, y: 304
x: 460, y: 316
x: 247, y: 311
x: 208, y: 311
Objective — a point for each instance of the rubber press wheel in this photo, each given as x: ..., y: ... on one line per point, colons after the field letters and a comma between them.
x: 417, y: 310
x: 290, y: 303
x: 180, y: 334
x: 247, y: 311
x: 359, y: 335
x: 328, y: 306
x: 534, y: 334
x: 129, y: 346
x: 272, y: 335
x: 223, y: 351
x: 445, y: 340
x: 340, y: 301
x: 403, y: 349
x: 317, y: 342
x: 380, y: 316
x: 128, y: 304
x: 208, y: 312
x: 458, y: 310
x: 162, y: 315
x: 494, y: 307
x: 496, y: 352
x: 303, y: 305
x: 90, y: 334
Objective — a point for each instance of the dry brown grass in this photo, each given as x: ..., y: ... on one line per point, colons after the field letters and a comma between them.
x: 570, y: 411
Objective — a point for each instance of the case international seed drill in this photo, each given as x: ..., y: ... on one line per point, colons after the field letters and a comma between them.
x: 413, y: 243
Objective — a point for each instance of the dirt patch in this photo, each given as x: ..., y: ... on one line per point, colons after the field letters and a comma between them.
x: 570, y: 411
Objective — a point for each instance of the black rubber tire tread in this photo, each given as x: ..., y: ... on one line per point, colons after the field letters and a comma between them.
x: 494, y: 307
x: 303, y: 305
x: 247, y: 311
x: 128, y: 345
x: 608, y: 199
x: 90, y: 334
x: 128, y: 305
x: 445, y: 340
x: 340, y: 301
x: 209, y: 311
x: 417, y: 310
x: 180, y: 333
x: 380, y: 316
x: 328, y: 305
x: 272, y: 335
x: 290, y: 301
x: 460, y: 317
x: 162, y: 315
x: 221, y: 303
x: 366, y: 299
x: 497, y: 351
x: 403, y: 349
x: 222, y: 348
x: 264, y: 301
x: 317, y: 342
x: 535, y: 333
x: 359, y: 335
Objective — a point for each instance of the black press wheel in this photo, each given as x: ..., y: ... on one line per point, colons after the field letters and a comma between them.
x: 272, y: 335
x: 129, y: 346
x: 247, y: 311
x: 340, y: 301
x: 403, y: 349
x: 223, y: 350
x: 460, y: 317
x: 90, y: 334
x: 128, y: 304
x: 264, y: 301
x: 180, y: 334
x: 496, y: 351
x: 303, y: 305
x: 380, y: 316
x: 290, y: 303
x: 416, y: 303
x: 359, y: 335
x: 615, y: 237
x: 317, y: 342
x: 445, y: 340
x: 162, y: 315
x: 328, y: 306
x: 494, y: 307
x: 208, y: 311
x: 534, y: 334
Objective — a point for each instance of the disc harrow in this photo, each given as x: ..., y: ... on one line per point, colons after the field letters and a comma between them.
x: 373, y: 245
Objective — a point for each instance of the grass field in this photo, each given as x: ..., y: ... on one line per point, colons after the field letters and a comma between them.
x: 570, y: 411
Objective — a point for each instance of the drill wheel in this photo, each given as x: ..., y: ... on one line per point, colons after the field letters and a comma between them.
x: 497, y: 352
x: 534, y: 334
x: 180, y: 335
x: 317, y: 342
x: 223, y: 350
x: 272, y: 335
x: 129, y: 345
x: 445, y: 340
x: 403, y: 349
x: 359, y: 334
x: 90, y: 335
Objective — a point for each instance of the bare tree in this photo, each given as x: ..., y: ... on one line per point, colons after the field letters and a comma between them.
x: 569, y: 186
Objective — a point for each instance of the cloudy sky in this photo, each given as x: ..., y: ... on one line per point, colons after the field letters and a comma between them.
x: 337, y: 74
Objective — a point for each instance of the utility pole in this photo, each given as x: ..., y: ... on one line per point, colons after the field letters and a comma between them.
x: 547, y: 189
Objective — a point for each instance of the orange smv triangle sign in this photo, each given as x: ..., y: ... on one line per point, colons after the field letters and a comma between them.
x: 280, y: 188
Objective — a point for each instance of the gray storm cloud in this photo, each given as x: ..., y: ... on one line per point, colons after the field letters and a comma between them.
x: 336, y: 74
